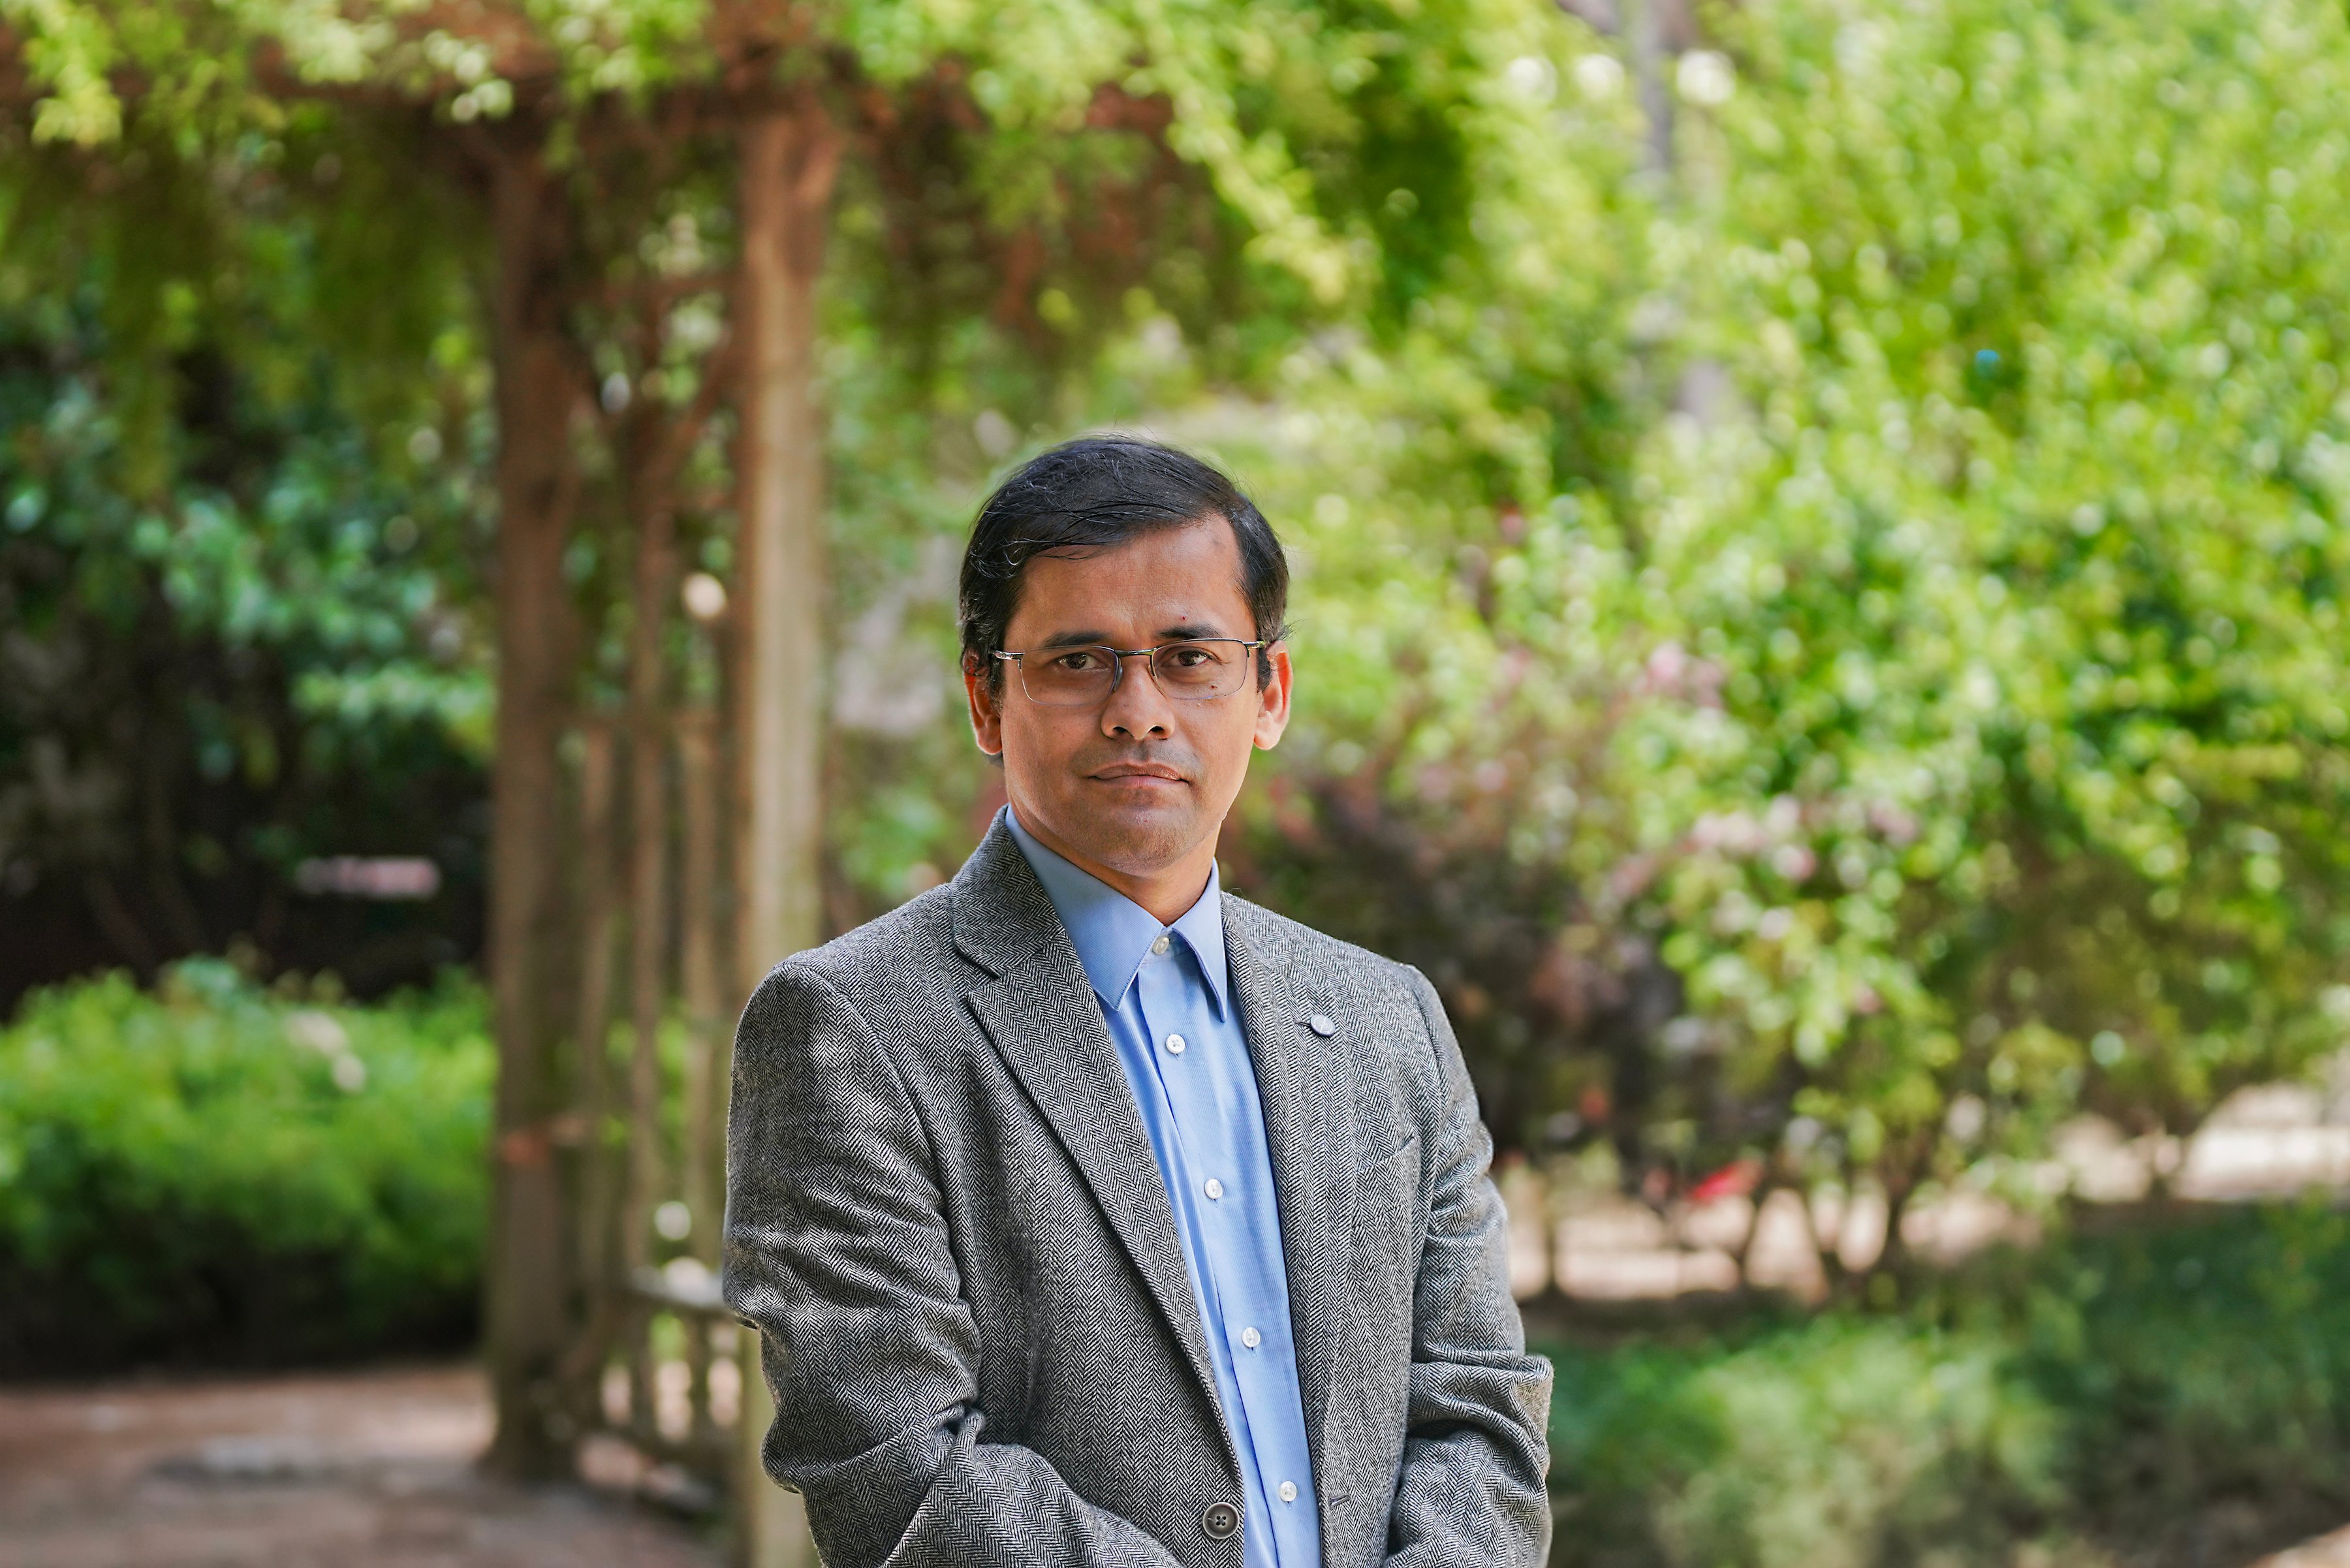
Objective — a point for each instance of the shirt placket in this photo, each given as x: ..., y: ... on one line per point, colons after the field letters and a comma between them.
x: 1197, y: 1084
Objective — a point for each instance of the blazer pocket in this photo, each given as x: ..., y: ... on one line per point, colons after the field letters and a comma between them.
x: 1377, y: 1164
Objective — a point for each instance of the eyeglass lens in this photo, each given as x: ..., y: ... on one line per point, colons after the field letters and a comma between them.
x: 1188, y: 671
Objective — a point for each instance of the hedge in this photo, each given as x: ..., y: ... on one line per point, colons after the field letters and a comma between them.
x: 218, y: 1173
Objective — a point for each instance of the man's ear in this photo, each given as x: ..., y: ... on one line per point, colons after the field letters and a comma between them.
x: 986, y: 705
x: 1273, y: 698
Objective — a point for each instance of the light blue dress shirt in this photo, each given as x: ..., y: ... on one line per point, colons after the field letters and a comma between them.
x: 1166, y: 994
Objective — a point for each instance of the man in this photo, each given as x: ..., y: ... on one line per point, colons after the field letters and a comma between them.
x: 1089, y: 1214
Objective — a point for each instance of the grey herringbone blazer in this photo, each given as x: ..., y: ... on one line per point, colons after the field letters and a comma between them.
x: 944, y: 1217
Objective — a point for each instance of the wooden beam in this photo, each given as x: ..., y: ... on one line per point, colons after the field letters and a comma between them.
x: 526, y: 1283
x: 789, y: 154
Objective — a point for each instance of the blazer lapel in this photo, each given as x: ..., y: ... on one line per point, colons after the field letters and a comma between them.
x: 1306, y: 1083
x: 1041, y: 1014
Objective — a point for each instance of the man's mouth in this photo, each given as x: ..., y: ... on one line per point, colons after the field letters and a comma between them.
x: 1137, y: 775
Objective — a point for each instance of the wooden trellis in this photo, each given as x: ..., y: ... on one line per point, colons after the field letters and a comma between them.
x: 660, y: 1363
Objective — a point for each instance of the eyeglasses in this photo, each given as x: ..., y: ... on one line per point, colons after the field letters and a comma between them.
x: 1083, y: 677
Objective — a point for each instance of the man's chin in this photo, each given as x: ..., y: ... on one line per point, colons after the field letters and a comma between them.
x: 1135, y: 831
x: 1138, y: 798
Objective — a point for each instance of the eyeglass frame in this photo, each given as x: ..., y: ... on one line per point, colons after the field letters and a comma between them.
x: 1118, y: 656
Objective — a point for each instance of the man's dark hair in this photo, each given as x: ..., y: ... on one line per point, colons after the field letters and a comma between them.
x: 1099, y: 491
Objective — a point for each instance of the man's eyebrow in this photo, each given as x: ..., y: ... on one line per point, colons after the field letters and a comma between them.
x: 1182, y: 631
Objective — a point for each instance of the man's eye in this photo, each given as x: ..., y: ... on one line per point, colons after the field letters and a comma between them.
x: 1083, y: 661
x: 1190, y: 658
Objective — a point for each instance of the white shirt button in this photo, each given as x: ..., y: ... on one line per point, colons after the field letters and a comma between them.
x: 1289, y: 1491
x: 1175, y: 1044
x: 1250, y: 1338
x: 1159, y: 947
x: 1215, y: 1188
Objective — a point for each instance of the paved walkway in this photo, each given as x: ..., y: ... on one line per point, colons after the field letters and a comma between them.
x: 2326, y: 1551
x: 362, y: 1469
x: 2276, y: 1141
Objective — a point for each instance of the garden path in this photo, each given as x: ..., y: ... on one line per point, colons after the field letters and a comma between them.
x: 355, y: 1469
x: 350, y: 1469
x: 2326, y: 1551
x: 2273, y: 1141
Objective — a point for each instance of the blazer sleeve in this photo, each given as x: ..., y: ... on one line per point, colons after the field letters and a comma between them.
x: 1473, y: 1486
x: 836, y: 1252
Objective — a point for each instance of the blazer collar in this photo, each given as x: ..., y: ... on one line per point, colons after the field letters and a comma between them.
x: 1003, y: 918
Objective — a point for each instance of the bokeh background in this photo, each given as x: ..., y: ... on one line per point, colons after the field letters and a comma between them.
x: 1821, y: 529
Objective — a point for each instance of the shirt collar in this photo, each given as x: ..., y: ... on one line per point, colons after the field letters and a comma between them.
x: 1113, y: 934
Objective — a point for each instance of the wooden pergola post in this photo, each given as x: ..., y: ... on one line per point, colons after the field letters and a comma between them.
x: 789, y: 153
x: 527, y: 1287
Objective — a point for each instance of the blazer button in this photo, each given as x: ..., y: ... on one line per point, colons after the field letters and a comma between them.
x: 1221, y: 1522
x: 1320, y: 1024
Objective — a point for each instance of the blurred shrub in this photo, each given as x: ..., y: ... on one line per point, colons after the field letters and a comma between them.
x: 1941, y: 674
x: 213, y: 1173
x: 2174, y: 1395
x: 262, y: 654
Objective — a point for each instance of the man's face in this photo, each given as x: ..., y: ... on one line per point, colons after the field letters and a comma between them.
x: 1138, y: 782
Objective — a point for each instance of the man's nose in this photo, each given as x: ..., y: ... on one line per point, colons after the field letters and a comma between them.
x: 1137, y: 708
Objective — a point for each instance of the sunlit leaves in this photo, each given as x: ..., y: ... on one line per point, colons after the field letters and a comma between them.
x: 1948, y: 669
x: 1264, y: 96
x: 2009, y: 541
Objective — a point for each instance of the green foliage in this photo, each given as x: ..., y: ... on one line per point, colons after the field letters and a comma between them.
x: 281, y: 532
x: 1042, y: 193
x: 1939, y: 670
x: 242, y: 516
x: 214, y: 1172
x: 2096, y: 1402
x: 2015, y: 582
x: 1305, y: 118
x: 271, y: 659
